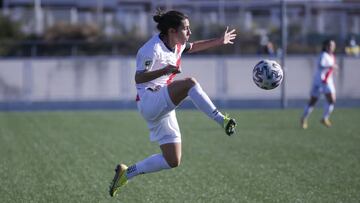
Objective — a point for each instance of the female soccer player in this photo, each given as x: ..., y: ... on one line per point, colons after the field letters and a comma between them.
x: 323, y: 83
x: 158, y: 62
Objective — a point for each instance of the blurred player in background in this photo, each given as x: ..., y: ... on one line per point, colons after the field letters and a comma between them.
x: 158, y: 62
x: 323, y: 84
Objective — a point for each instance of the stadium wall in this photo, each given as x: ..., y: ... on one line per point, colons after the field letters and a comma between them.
x: 108, y: 82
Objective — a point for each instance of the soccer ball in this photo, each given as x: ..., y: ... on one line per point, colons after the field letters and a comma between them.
x: 267, y: 74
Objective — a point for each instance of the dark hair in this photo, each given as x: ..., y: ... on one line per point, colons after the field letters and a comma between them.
x: 167, y: 20
x: 326, y: 44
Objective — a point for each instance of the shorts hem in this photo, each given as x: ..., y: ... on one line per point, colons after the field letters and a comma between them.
x: 169, y: 140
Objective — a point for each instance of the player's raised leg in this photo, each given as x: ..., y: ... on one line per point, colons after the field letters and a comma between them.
x: 180, y: 89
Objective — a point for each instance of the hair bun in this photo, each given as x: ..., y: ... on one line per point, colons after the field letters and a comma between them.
x: 157, y: 18
x: 159, y: 15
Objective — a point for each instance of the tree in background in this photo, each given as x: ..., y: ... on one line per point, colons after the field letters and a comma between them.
x: 10, y: 35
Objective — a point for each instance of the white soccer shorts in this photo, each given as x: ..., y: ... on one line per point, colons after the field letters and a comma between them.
x: 159, y: 112
x: 318, y: 89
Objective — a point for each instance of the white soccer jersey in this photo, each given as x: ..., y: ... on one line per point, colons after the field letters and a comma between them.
x: 324, y: 71
x: 154, y: 55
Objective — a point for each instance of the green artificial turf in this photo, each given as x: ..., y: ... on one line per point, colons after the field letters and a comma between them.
x: 70, y: 157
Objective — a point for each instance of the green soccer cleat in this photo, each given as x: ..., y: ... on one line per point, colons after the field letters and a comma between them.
x: 119, y: 180
x: 229, y: 125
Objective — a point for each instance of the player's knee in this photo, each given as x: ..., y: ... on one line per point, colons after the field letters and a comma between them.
x: 190, y: 82
x: 174, y: 162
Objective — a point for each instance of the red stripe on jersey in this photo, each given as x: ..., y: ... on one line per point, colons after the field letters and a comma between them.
x: 178, y: 62
x: 330, y: 71
x: 137, y: 98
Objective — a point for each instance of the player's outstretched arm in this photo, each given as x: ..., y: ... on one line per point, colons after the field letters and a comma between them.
x: 226, y: 38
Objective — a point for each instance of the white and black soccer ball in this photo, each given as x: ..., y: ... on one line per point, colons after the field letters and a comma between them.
x: 267, y: 74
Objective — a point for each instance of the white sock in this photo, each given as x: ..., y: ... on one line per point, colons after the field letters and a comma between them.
x: 328, y: 109
x: 151, y: 164
x: 202, y: 101
x: 307, y: 111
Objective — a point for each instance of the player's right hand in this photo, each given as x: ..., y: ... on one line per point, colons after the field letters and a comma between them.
x: 172, y: 69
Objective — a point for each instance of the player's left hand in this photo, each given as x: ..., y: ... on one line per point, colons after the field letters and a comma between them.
x: 229, y: 36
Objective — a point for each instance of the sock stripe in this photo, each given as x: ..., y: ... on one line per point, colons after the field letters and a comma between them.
x: 131, y: 169
x: 215, y: 112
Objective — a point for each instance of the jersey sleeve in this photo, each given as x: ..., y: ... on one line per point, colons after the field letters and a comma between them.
x: 145, y: 61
